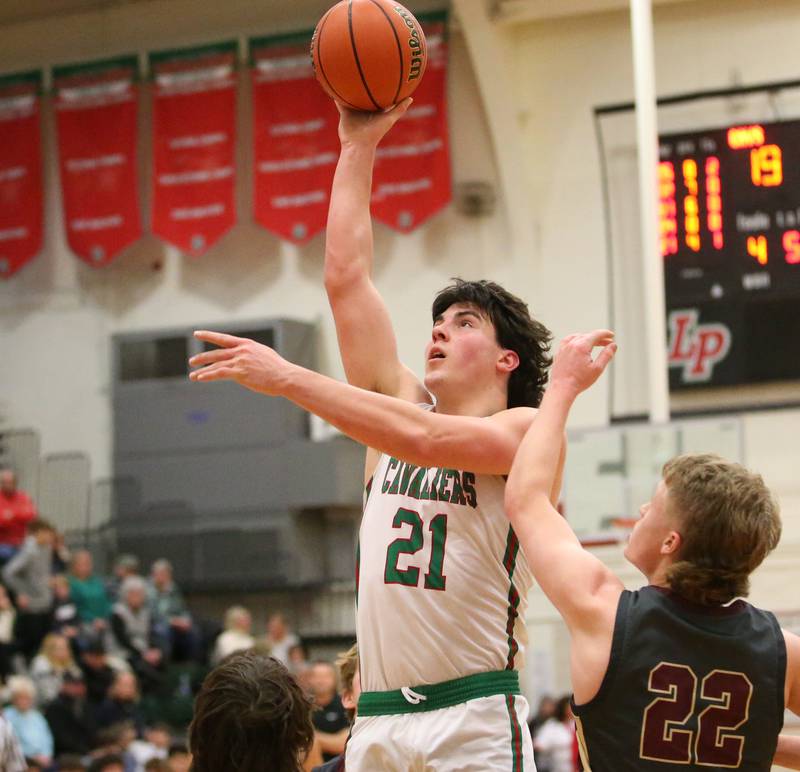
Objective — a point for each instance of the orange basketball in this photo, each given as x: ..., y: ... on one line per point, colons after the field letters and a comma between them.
x: 369, y: 54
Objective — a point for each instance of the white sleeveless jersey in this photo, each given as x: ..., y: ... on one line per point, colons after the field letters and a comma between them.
x: 442, y: 584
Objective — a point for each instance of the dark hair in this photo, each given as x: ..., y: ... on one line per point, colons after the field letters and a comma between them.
x: 40, y: 524
x: 563, y: 708
x: 100, y: 763
x: 70, y: 763
x: 728, y: 521
x: 250, y: 716
x: 176, y: 749
x: 514, y: 328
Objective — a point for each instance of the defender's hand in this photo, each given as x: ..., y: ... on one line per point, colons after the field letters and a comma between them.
x: 242, y: 360
x: 573, y: 368
x: 368, y: 129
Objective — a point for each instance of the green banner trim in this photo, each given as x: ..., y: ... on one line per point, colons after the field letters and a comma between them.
x: 302, y: 37
x: 33, y: 77
x: 102, y: 65
x: 178, y: 54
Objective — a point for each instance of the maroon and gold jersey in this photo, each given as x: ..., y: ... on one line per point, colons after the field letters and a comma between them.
x: 687, y: 687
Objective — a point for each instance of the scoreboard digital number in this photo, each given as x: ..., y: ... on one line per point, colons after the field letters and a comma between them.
x: 729, y: 212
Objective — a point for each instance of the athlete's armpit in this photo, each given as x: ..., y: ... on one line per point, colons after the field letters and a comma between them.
x: 792, y: 671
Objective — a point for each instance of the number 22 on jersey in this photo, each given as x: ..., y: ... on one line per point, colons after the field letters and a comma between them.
x: 725, y: 707
x: 411, y: 545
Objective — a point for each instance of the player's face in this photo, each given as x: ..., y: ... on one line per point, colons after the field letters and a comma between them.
x: 463, y: 349
x: 644, y: 548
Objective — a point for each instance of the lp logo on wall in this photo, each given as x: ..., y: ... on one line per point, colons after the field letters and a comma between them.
x: 696, y: 347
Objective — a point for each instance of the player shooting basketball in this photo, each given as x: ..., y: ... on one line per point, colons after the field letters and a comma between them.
x: 443, y: 588
x: 679, y: 673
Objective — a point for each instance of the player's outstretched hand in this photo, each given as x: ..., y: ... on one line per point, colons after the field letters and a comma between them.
x: 368, y: 129
x: 575, y: 367
x: 250, y: 364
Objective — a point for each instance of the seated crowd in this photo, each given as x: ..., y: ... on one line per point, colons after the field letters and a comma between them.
x: 100, y: 673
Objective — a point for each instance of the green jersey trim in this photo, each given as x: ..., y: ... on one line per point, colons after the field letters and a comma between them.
x: 427, y: 697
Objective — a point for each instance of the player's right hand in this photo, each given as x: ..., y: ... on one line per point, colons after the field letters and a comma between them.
x: 574, y: 368
x: 368, y: 129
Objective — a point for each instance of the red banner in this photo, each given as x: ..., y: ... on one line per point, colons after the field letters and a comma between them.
x: 20, y: 172
x: 412, y: 180
x: 194, y: 145
x: 96, y: 113
x: 296, y: 144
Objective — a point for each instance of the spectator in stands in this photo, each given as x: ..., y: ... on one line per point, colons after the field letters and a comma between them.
x: 299, y: 665
x: 237, y: 636
x: 124, y: 566
x: 65, y: 612
x: 109, y: 762
x: 11, y: 756
x: 70, y: 763
x: 116, y: 740
x: 122, y: 704
x: 50, y: 665
x: 28, y: 575
x: 61, y: 554
x: 179, y: 759
x: 329, y: 717
x: 157, y: 765
x: 555, y: 739
x: 17, y: 510
x: 134, y: 634
x: 8, y: 646
x: 350, y: 690
x: 250, y: 716
x: 97, y: 671
x: 88, y: 593
x: 279, y: 638
x: 170, y: 616
x: 71, y: 718
x: 155, y: 745
x: 545, y: 711
x: 28, y: 723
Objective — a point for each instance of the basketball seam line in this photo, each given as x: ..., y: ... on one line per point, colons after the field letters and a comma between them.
x: 355, y: 53
x: 399, y: 48
x: 322, y: 68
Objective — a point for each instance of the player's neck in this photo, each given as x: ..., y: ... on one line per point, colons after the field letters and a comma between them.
x: 658, y: 577
x: 481, y: 403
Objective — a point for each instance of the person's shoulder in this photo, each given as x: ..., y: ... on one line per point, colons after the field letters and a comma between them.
x: 40, y: 663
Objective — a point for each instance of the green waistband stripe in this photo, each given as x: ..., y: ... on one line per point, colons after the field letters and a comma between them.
x: 427, y: 697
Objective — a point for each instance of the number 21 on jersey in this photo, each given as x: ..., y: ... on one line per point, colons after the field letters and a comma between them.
x: 725, y: 706
x: 411, y: 545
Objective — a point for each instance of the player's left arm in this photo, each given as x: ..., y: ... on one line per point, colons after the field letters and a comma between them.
x: 578, y: 584
x: 390, y: 425
x: 788, y: 753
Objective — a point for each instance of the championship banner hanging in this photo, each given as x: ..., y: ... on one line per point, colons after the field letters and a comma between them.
x: 20, y: 171
x: 96, y: 112
x: 412, y: 180
x: 296, y: 144
x: 194, y: 145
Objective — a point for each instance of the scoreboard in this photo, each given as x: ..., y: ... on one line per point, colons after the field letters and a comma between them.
x: 729, y: 211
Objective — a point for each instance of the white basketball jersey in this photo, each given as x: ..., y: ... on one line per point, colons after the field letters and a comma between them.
x: 442, y: 584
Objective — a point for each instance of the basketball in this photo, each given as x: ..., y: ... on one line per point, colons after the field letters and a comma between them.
x: 369, y: 54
